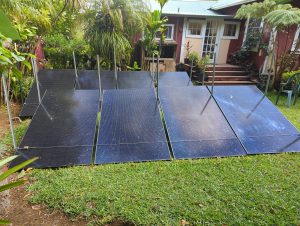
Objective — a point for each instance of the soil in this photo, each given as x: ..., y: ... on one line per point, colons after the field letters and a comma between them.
x: 4, y: 122
x: 14, y: 204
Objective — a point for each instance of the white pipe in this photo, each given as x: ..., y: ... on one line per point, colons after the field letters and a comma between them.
x: 75, y: 66
x: 99, y: 76
x: 9, y: 112
x: 214, y: 74
x: 35, y: 73
x: 115, y: 65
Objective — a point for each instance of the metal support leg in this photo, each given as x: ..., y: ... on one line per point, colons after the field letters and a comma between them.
x: 115, y: 65
x: 35, y: 73
x: 8, y: 111
x: 99, y: 76
x: 75, y: 66
x: 191, y: 72
x: 157, y: 71
x: 214, y: 74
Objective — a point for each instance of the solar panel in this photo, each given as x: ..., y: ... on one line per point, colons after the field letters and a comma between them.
x: 260, y: 126
x: 130, y: 129
x: 55, y: 157
x: 87, y: 79
x: 134, y: 79
x: 49, y: 79
x: 195, y: 124
x: 28, y: 110
x: 173, y: 79
x: 64, y: 120
x: 108, y: 80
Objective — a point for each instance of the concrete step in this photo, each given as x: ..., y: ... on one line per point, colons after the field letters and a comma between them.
x: 229, y: 78
x: 226, y: 73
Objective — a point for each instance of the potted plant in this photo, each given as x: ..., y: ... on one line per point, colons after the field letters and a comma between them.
x: 188, y: 48
x: 201, y: 67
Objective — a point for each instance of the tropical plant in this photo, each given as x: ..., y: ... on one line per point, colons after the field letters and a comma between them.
x: 287, y: 75
x: 113, y: 26
x: 135, y: 67
x: 8, y: 173
x: 194, y: 58
x: 155, y: 27
x: 10, y: 58
x: 59, y: 52
x: 279, y: 15
x: 41, y: 14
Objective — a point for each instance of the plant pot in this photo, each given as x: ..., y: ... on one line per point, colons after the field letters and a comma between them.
x: 186, y: 60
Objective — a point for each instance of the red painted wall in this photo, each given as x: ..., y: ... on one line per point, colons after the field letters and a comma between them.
x: 236, y: 44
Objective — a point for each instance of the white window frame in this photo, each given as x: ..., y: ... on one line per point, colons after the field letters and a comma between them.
x: 172, y: 33
x: 296, y: 40
x: 237, y: 30
x: 203, y: 24
x: 261, y: 27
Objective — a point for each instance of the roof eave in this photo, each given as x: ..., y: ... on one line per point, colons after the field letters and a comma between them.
x: 231, y: 5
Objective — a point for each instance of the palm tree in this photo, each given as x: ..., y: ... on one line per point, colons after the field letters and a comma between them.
x: 115, y: 24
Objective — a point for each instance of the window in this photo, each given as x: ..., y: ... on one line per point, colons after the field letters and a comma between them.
x: 254, y: 28
x: 231, y: 30
x: 296, y: 43
x: 169, y: 31
x: 194, y: 28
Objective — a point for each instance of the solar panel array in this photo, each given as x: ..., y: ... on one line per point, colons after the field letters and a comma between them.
x: 136, y: 125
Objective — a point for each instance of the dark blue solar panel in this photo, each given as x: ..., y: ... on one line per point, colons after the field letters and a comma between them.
x: 49, y: 79
x: 134, y: 79
x: 173, y: 79
x: 65, y: 118
x: 88, y: 79
x: 196, y: 126
x: 130, y: 128
x: 260, y: 126
x: 63, y: 128
x: 55, y: 157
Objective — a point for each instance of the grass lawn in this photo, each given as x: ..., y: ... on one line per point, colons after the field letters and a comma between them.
x: 251, y: 190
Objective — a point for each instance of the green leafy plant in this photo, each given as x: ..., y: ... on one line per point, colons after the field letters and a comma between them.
x: 10, y: 57
x: 59, y: 52
x: 194, y: 58
x: 287, y: 75
x: 281, y: 16
x: 135, y: 67
x: 154, y: 28
x: 8, y: 173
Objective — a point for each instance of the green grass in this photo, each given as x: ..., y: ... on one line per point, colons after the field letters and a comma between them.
x: 251, y: 190
x: 6, y: 142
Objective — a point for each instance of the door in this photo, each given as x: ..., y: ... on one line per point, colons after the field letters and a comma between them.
x: 211, y: 39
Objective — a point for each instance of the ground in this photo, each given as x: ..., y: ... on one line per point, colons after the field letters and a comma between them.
x: 261, y: 189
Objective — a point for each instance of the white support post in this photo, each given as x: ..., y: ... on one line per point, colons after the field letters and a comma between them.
x: 8, y: 111
x: 191, y: 72
x: 99, y: 76
x: 75, y: 66
x: 152, y: 69
x: 115, y: 64
x: 35, y: 73
x: 214, y: 74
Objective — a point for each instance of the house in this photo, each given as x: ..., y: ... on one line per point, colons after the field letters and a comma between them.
x: 208, y: 26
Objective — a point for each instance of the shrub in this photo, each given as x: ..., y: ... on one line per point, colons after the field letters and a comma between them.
x: 194, y: 57
x: 59, y: 52
x: 287, y: 75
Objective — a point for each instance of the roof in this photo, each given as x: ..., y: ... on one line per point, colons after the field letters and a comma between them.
x: 187, y: 8
x: 197, y: 7
x: 222, y: 4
